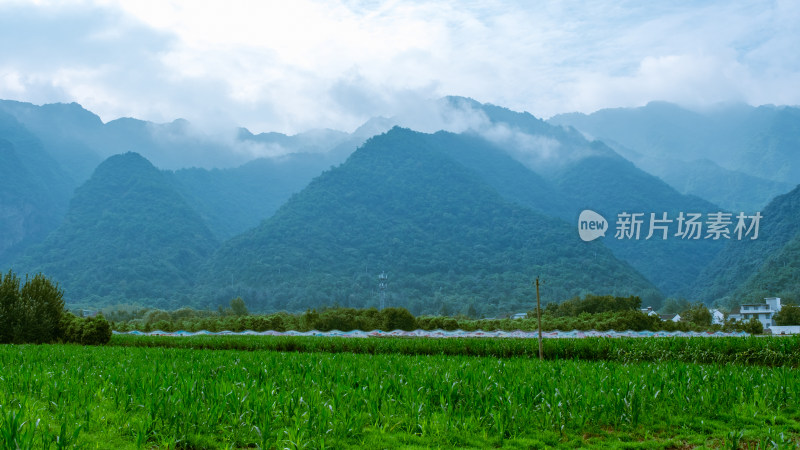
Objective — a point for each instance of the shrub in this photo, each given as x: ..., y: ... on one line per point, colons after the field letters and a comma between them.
x: 754, y: 326
x: 398, y: 319
x: 95, y: 331
x: 71, y: 328
x: 88, y: 331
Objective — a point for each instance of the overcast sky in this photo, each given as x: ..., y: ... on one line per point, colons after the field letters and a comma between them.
x: 294, y: 65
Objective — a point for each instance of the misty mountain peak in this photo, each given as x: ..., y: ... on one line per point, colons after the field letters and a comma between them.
x: 52, y: 114
x: 124, y: 163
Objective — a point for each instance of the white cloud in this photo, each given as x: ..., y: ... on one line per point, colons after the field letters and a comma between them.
x: 291, y: 66
x: 534, y: 151
x: 11, y: 83
x: 691, y: 80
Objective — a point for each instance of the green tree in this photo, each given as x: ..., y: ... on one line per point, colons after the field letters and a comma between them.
x: 71, y: 328
x: 155, y: 315
x: 592, y: 304
x: 449, y: 324
x: 10, y: 307
x: 32, y: 312
x: 698, y: 314
x: 95, y: 331
x: 754, y: 326
x: 398, y: 319
x: 309, y: 320
x: 675, y: 306
x: 45, y: 302
x: 788, y: 315
x: 238, y: 307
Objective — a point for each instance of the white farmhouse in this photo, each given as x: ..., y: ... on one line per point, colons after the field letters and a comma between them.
x: 670, y: 317
x: 761, y: 311
x: 649, y: 311
x: 717, y: 317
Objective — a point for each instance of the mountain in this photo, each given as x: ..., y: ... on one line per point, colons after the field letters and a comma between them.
x: 173, y: 145
x: 612, y: 185
x: 769, y: 266
x: 309, y: 142
x: 445, y: 237
x: 566, y: 173
x: 537, y: 173
x: 759, y: 142
x: 79, y: 140
x: 509, y: 177
x: 540, y: 146
x: 732, y: 190
x: 234, y: 200
x: 65, y: 132
x: 657, y: 129
x: 34, y: 191
x: 778, y: 276
x: 233, y: 180
x: 128, y: 235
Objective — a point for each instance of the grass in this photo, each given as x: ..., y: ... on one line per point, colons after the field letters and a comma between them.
x: 67, y: 396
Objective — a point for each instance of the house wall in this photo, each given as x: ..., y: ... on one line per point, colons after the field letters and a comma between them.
x: 774, y: 303
x: 763, y: 312
x: 763, y: 317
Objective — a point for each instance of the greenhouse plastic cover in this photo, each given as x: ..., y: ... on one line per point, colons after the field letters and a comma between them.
x: 450, y: 334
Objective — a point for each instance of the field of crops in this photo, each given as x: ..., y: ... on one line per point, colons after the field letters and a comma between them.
x: 779, y: 351
x: 60, y: 396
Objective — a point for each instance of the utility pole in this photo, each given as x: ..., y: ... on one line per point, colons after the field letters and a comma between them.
x: 539, y: 318
x: 382, y: 280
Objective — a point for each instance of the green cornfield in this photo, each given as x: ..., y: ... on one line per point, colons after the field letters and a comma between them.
x: 67, y: 396
x: 778, y: 351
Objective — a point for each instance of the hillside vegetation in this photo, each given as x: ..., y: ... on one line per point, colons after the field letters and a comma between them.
x: 445, y: 238
x: 128, y: 234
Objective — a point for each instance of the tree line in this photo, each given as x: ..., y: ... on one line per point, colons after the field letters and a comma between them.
x: 591, y: 312
x: 32, y: 311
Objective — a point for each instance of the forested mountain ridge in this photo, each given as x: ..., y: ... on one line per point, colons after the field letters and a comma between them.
x: 508, y: 176
x: 576, y: 174
x: 751, y: 150
x: 540, y: 146
x: 778, y: 276
x: 769, y: 266
x: 732, y: 190
x: 611, y: 185
x: 446, y: 238
x: 520, y: 164
x: 67, y: 132
x: 128, y: 234
x: 33, y: 189
x: 234, y: 181
x: 234, y: 200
